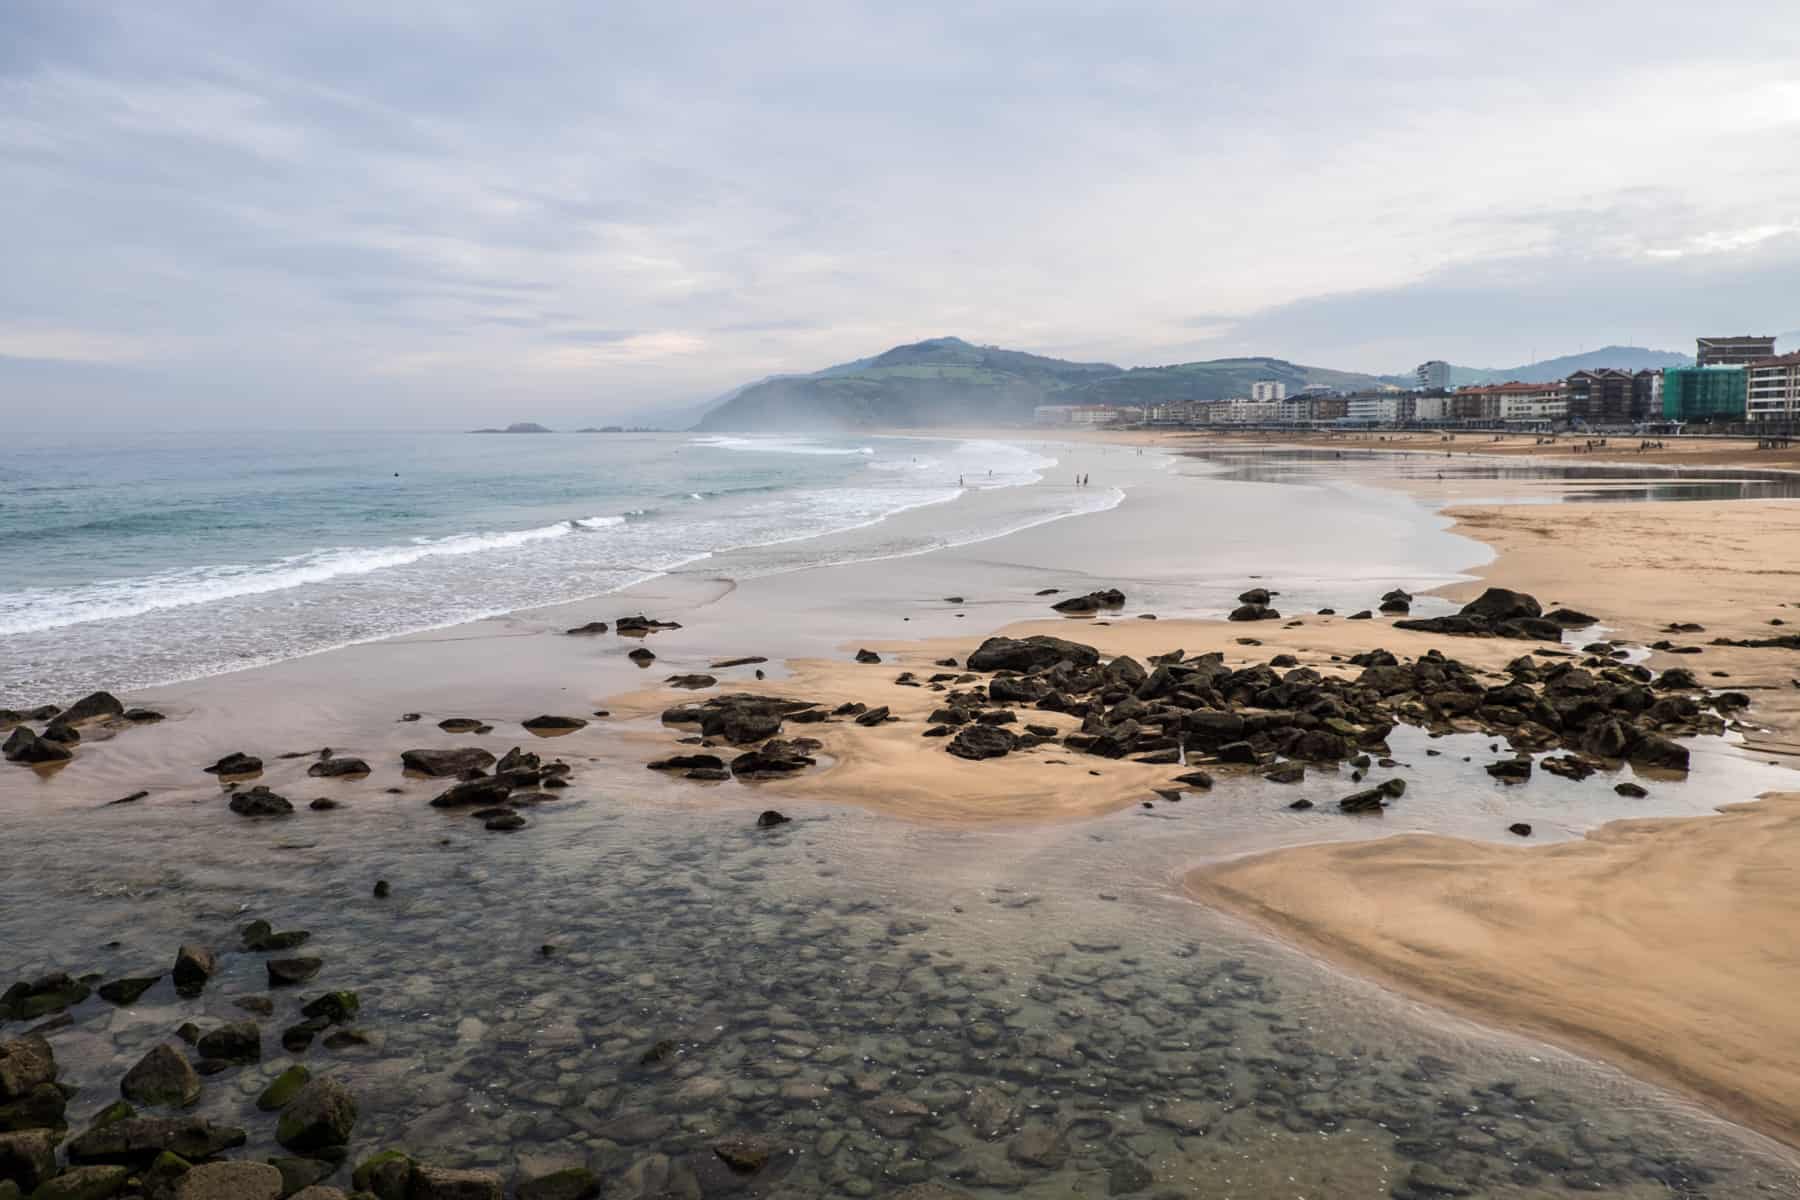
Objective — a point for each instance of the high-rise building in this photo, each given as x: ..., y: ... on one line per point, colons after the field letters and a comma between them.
x: 1646, y: 396
x: 1433, y: 376
x: 1732, y: 351
x: 1773, y: 389
x: 1268, y: 389
x: 1704, y: 393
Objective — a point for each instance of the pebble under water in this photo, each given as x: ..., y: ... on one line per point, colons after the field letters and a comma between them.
x: 623, y: 984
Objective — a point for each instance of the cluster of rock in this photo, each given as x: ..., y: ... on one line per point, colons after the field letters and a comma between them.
x: 1500, y: 612
x: 1091, y: 602
x: 61, y: 733
x: 1253, y: 605
x: 141, y: 1145
x: 519, y: 779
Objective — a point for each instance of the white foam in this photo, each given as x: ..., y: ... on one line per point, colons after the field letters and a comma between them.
x: 778, y: 444
x: 35, y: 610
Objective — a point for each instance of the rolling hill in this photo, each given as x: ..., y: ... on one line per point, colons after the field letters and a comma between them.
x: 948, y: 381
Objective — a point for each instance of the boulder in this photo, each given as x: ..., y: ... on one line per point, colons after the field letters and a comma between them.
x: 1092, y: 602
x: 237, y: 1042
x: 570, y: 1183
x: 590, y: 628
x: 25, y: 1063
x: 769, y: 818
x: 286, y: 972
x: 318, y: 1118
x: 1501, y: 604
x: 462, y: 725
x: 1027, y: 655
x: 126, y: 991
x: 1510, y: 770
x: 319, y: 1191
x: 162, y: 1077
x: 24, y: 746
x: 336, y: 768
x: 643, y: 656
x: 83, y: 1183
x: 553, y: 724
x: 386, y: 1175
x: 867, y: 656
x: 474, y: 793
x: 688, y: 762
x: 194, y: 965
x: 259, y: 801
x: 334, y: 1007
x: 443, y: 764
x: 92, y: 707
x: 28, y: 1000
x: 1571, y: 617
x: 640, y: 625
x: 983, y: 741
x: 1631, y: 790
x: 28, y: 1156
x: 875, y: 716
x: 691, y: 682
x: 236, y: 763
x: 282, y: 1090
x: 1254, y: 612
x: 230, y: 1181
x: 138, y: 1140
x: 1255, y: 595
x: 1520, y: 828
x: 441, y: 1183
x: 1656, y: 751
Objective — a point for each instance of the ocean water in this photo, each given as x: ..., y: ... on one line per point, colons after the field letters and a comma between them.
x: 133, y: 560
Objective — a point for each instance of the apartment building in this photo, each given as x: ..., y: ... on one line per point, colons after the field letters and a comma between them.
x: 1772, y: 389
x: 1268, y: 389
x: 1732, y: 351
x: 1602, y: 397
x: 1433, y: 376
x: 1515, y: 403
x: 1704, y: 394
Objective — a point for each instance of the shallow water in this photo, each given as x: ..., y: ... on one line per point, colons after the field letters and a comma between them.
x: 1038, y: 1016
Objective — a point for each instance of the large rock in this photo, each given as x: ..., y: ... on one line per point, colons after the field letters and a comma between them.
x: 162, y: 1077
x: 24, y: 746
x: 236, y: 763
x: 982, y: 741
x: 1501, y: 604
x: 230, y: 1181
x: 84, y: 1183
x: 318, y: 1118
x: 337, y: 768
x: 440, y: 1183
x: 194, y: 965
x: 28, y: 1000
x: 442, y: 764
x: 138, y: 1140
x: 1655, y: 750
x: 238, y: 1042
x: 92, y: 707
x: 570, y: 1183
x: 1092, y: 602
x: 1026, y: 655
x: 28, y: 1157
x: 259, y: 801
x: 474, y: 793
x: 386, y: 1175
x: 1254, y: 612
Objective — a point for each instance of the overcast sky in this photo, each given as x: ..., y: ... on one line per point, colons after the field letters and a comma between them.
x: 345, y: 213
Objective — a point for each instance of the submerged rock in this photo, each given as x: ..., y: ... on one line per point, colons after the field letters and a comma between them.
x: 236, y: 763
x: 441, y: 764
x: 259, y: 801
x: 319, y: 1117
x: 162, y: 1077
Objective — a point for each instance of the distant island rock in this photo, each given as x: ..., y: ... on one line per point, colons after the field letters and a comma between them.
x: 517, y: 427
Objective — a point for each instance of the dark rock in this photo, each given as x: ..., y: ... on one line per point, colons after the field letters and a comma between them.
x: 553, y: 724
x: 691, y: 682
x: 236, y: 764
x: 769, y: 818
x: 29, y: 1000
x: 259, y: 801
x: 24, y: 746
x: 1032, y: 654
x: 335, y: 1007
x: 1092, y: 602
x: 640, y: 625
x: 126, y: 991
x: 643, y: 656
x: 1239, y: 752
x: 238, y: 1042
x: 1656, y: 751
x: 27, y: 1158
x: 333, y: 768
x: 442, y: 1183
x: 1301, y: 805
x: 982, y: 741
x: 1632, y: 790
x: 1574, y: 618
x: 162, y: 1077
x: 505, y: 822
x: 26, y: 1063
x: 287, y: 972
x: 1501, y: 604
x: 688, y: 762
x: 1287, y: 772
x: 591, y: 627
x: 443, y: 764
x: 92, y: 707
x: 136, y: 1141
x: 1254, y: 596
x: 867, y: 656
x: 1364, y: 615
x: 475, y: 793
x: 570, y: 1183
x: 775, y: 758
x: 1195, y: 779
x: 1254, y: 612
x: 1520, y: 828
x: 1510, y: 770
x: 875, y: 716
x: 259, y: 935
x: 745, y: 1153
x: 319, y: 1117
x: 194, y: 965
x: 1569, y: 767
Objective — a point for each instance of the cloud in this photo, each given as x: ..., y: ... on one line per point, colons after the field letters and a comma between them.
x: 462, y: 212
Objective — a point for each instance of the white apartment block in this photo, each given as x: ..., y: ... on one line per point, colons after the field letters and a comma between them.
x: 1773, y: 389
x: 1382, y: 410
x: 1547, y: 403
x: 1268, y: 389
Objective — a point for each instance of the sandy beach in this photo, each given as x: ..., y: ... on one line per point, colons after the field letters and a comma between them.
x: 1613, y: 932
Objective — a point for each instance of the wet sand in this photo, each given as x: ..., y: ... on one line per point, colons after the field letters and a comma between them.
x: 1687, y: 452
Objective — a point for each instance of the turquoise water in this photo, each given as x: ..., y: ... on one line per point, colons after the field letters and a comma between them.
x: 132, y: 560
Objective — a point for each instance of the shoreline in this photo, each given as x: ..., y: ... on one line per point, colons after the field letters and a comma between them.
x: 517, y: 663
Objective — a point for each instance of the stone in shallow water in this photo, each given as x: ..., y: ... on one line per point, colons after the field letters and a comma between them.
x: 282, y: 1090
x: 440, y: 1183
x: 83, y: 1183
x: 162, y: 1077
x: 230, y: 1181
x: 27, y: 1156
x: 570, y: 1183
x: 141, y: 1139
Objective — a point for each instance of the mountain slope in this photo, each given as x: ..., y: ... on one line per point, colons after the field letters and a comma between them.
x: 942, y: 381
x: 1218, y: 379
x: 1624, y: 358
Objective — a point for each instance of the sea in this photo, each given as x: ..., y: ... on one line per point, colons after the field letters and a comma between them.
x: 131, y: 560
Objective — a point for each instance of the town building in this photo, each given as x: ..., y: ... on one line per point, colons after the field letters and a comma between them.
x: 1380, y: 408
x: 1433, y: 376
x: 1432, y: 408
x: 1083, y: 414
x: 1329, y: 408
x: 1268, y: 389
x: 1601, y: 397
x: 1772, y: 391
x: 1704, y: 394
x: 1646, y: 396
x: 1732, y: 351
x: 1512, y: 403
x: 1296, y: 410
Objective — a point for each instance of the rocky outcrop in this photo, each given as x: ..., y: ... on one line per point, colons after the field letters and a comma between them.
x: 1497, y: 612
x: 441, y: 764
x: 1091, y: 602
x: 1030, y: 655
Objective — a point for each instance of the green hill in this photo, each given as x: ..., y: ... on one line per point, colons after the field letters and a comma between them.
x: 947, y: 381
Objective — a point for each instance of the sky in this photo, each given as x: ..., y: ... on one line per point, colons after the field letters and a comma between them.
x: 336, y: 213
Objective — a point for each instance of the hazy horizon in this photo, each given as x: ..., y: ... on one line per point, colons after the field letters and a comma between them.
x: 444, y: 216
